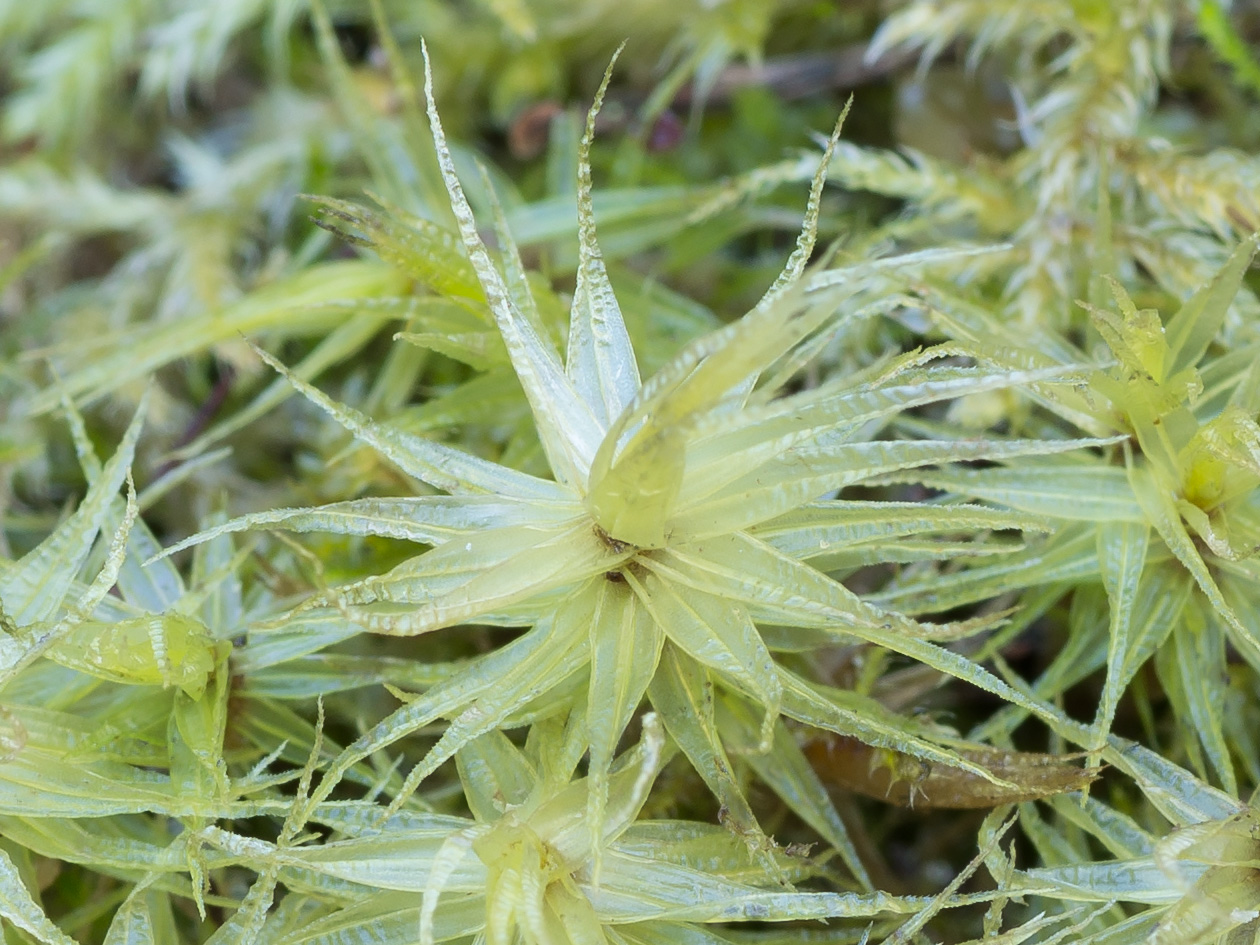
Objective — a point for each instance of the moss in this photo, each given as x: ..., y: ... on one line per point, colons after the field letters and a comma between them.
x: 679, y: 518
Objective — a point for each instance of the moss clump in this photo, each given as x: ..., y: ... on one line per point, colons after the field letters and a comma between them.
x: 673, y: 582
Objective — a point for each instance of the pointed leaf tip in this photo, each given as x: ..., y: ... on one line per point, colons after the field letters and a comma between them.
x: 441, y: 466
x: 567, y: 429
x: 600, y: 360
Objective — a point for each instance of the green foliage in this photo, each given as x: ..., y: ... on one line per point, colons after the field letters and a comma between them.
x: 641, y: 587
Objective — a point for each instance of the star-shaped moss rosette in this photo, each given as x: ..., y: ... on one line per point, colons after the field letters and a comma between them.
x: 123, y: 732
x: 526, y: 868
x: 1169, y: 518
x: 680, y: 516
x: 113, y: 700
x: 42, y: 601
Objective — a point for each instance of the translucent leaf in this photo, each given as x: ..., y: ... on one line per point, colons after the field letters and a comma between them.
x: 558, y: 817
x: 307, y: 677
x: 246, y: 923
x: 481, y: 697
x: 1178, y: 795
x: 566, y: 427
x: 1138, y: 880
x: 806, y: 597
x: 789, y: 774
x: 1137, y: 338
x: 682, y: 695
x: 823, y: 527
x: 132, y: 924
x: 1118, y: 832
x: 600, y: 361
x: 1161, y: 511
x: 441, y: 466
x: 154, y: 588
x: 195, y: 736
x: 632, y: 500
x: 495, y: 774
x: 625, y: 645
x: 809, y: 472
x: 422, y: 519
x: 1071, y: 555
x: 642, y: 889
x: 837, y: 412
x: 17, y: 906
x: 637, y: 472
x: 1222, y: 461
x: 303, y: 634
x: 717, y: 633
x: 521, y: 290
x: 1121, y: 558
x: 1091, y: 493
x: 398, y: 859
x: 419, y: 247
x: 1197, y: 322
x: 1198, y: 655
x: 489, y: 571
x: 102, y: 845
x: 35, y: 586
x: 804, y: 249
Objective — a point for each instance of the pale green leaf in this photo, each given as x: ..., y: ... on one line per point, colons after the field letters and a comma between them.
x: 1162, y: 597
x: 439, y: 465
x: 17, y: 906
x: 423, y: 519
x: 1199, y: 660
x: 625, y: 646
x: 35, y: 586
x: 494, y: 773
x: 1117, y: 831
x: 640, y: 889
x: 145, y: 349
x: 1136, y: 880
x: 569, y: 432
x: 1178, y: 795
x: 104, y: 846
x: 790, y: 775
x: 132, y: 924
x: 390, y: 918
x: 153, y: 650
x: 1121, y: 558
x: 397, y: 859
x: 490, y: 570
x: 1083, y: 492
x: 1196, y: 323
x: 423, y: 250
x: 827, y: 526
x: 480, y: 698
x: 717, y: 633
x: 808, y: 472
x: 807, y: 597
x: 155, y: 588
x: 312, y: 675
x: 732, y: 442
x: 1069, y: 556
x: 600, y: 360
x: 1161, y: 510
x: 682, y: 695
